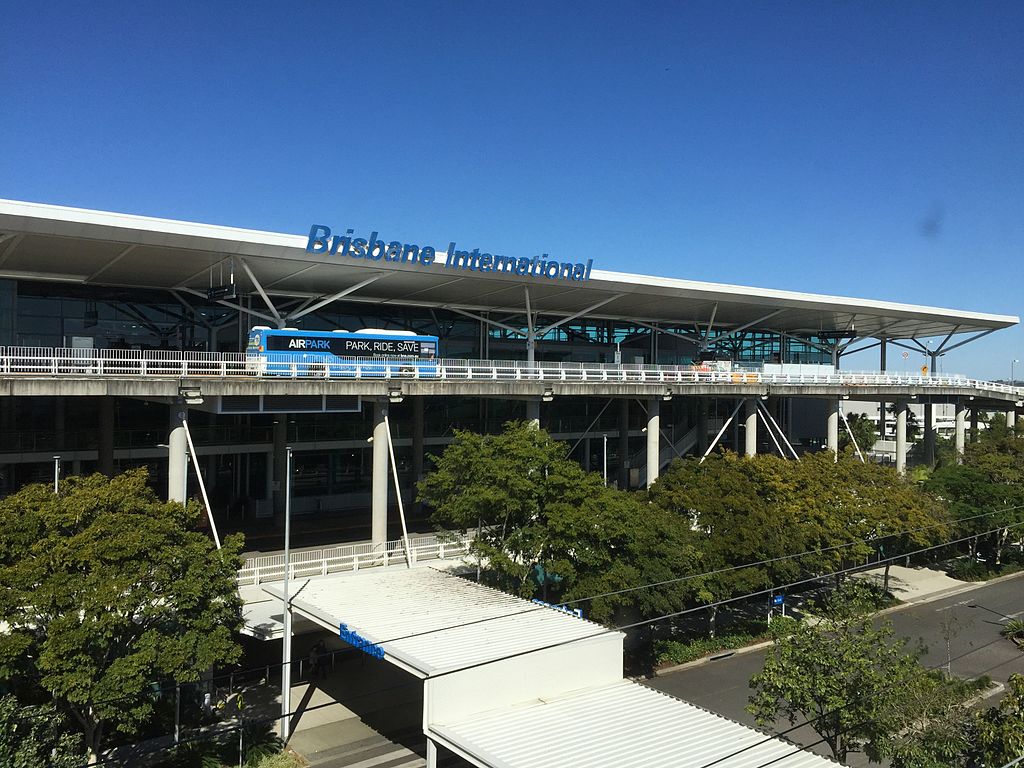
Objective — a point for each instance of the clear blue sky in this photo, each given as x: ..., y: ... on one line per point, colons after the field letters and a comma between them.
x: 871, y: 149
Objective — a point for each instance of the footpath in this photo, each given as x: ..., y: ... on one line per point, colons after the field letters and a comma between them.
x: 911, y: 586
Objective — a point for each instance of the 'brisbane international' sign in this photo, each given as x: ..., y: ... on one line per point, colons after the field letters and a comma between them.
x: 376, y: 249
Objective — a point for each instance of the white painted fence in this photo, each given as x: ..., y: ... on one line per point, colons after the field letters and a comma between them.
x: 61, y: 362
x: 351, y: 557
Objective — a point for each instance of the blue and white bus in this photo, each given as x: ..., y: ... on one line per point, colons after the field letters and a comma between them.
x: 367, y: 353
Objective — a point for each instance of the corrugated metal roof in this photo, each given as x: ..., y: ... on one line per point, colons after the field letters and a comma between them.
x: 623, y: 724
x: 444, y: 622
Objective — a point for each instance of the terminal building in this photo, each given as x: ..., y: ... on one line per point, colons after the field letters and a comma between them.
x: 117, y: 329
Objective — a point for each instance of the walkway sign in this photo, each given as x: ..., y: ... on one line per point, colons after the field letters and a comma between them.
x: 778, y: 599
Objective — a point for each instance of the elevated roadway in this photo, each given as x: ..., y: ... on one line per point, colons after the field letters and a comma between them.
x: 74, y: 372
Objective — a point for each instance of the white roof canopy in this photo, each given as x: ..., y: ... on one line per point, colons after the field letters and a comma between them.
x: 46, y: 242
x: 622, y: 724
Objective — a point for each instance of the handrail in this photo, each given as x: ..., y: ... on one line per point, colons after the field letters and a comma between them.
x: 351, y: 557
x: 59, y: 362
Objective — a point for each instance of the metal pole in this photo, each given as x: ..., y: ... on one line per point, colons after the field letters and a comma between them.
x: 56, y: 473
x: 1013, y: 373
x: 286, y: 649
x: 604, y: 458
x: 177, y: 712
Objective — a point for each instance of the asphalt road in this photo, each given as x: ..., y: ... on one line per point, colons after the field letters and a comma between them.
x: 975, y: 648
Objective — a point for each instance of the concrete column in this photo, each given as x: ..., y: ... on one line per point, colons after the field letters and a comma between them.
x: 379, y: 474
x: 974, y: 425
x: 431, y: 754
x: 177, y: 450
x: 280, y: 464
x: 417, y: 449
x: 832, y: 439
x: 1011, y: 418
x: 533, y: 413
x: 106, y: 442
x: 901, y: 438
x: 929, y: 435
x: 750, y: 428
x: 58, y: 423
x: 702, y: 425
x: 653, y: 440
x: 624, y: 442
x: 961, y: 428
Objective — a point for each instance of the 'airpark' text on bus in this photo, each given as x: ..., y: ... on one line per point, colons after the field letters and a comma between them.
x: 376, y: 249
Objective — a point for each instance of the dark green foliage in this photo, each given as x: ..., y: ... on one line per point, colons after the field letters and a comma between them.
x: 843, y: 673
x: 989, y: 482
x: 999, y: 731
x: 864, y: 429
x: 36, y: 736
x: 766, y: 509
x: 535, y: 507
x: 107, y: 589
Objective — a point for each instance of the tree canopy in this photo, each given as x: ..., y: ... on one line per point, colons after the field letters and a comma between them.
x: 548, y: 529
x: 843, y: 674
x: 747, y: 510
x: 106, y: 589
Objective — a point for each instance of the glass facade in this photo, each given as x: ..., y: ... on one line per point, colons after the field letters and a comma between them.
x: 333, y: 463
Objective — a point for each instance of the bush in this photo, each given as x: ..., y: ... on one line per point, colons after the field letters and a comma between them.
x: 966, y: 569
x: 680, y: 652
x: 279, y: 760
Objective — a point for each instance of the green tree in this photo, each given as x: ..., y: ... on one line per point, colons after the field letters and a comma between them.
x: 989, y: 482
x: 547, y: 528
x: 107, y: 589
x: 738, y: 511
x: 864, y: 430
x: 999, y: 731
x: 35, y: 736
x: 845, y: 675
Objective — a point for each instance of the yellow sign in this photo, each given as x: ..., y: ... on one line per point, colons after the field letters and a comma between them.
x: 924, y: 370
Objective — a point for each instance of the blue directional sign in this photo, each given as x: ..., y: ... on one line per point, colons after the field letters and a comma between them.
x: 778, y: 599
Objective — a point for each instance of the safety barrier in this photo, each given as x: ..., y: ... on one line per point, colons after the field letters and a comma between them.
x: 61, y: 362
x: 351, y: 557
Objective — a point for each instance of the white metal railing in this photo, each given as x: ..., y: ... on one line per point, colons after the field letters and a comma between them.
x: 62, y: 362
x: 351, y: 557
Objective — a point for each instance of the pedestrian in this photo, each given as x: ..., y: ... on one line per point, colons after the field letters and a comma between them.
x: 314, y: 661
x: 321, y: 660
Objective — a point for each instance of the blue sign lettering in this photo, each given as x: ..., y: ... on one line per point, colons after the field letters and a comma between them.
x: 577, y: 612
x: 322, y: 241
x: 359, y: 642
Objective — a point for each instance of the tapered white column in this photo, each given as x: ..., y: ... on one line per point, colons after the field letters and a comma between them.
x: 960, y: 433
x: 177, y: 450
x: 901, y: 438
x: 750, y: 429
x: 832, y: 439
x: 653, y: 440
x: 379, y: 482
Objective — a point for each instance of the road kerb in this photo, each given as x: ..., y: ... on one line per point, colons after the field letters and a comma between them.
x: 893, y: 609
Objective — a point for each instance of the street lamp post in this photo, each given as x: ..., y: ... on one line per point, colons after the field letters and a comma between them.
x: 286, y: 650
x: 1013, y: 372
x: 56, y: 473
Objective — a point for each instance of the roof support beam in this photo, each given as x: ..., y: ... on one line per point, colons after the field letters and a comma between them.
x: 591, y: 308
x: 711, y: 323
x: 968, y: 341
x: 222, y: 302
x: 266, y: 299
x: 667, y: 332
x: 8, y: 250
x: 744, y: 327
x: 334, y: 297
x: 945, y: 341
x: 487, y: 320
x: 110, y: 263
